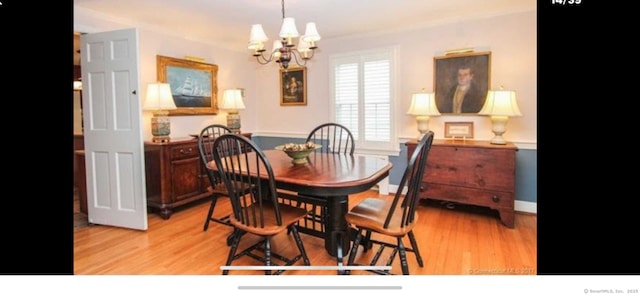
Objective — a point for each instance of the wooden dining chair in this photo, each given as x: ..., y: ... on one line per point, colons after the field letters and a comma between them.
x: 394, y: 217
x: 216, y: 187
x: 334, y: 138
x: 254, y: 201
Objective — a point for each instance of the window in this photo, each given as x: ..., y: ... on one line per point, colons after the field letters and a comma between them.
x: 363, y: 86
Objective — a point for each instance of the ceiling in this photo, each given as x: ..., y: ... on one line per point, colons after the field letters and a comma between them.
x: 226, y: 23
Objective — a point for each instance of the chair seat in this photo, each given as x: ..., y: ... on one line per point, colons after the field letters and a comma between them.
x: 371, y: 213
x: 221, y: 189
x: 288, y: 214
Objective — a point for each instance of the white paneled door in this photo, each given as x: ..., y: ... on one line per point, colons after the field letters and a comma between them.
x: 113, y: 130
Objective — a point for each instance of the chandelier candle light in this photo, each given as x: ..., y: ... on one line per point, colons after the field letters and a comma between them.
x: 423, y: 105
x: 284, y: 50
x: 232, y: 102
x: 160, y: 101
x: 500, y: 105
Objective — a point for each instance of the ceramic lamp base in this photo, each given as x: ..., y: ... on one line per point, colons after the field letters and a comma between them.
x: 423, y: 125
x: 498, y: 127
x: 160, y: 139
x: 160, y: 127
x: 233, y: 122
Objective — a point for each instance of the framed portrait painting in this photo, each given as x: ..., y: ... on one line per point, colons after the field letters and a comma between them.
x: 461, y: 82
x: 293, y: 86
x: 193, y: 85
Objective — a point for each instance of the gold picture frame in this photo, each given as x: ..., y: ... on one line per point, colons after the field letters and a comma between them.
x: 293, y: 86
x: 458, y: 130
x: 193, y: 85
x: 452, y: 69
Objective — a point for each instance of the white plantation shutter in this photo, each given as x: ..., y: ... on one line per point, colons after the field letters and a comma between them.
x: 346, y: 96
x: 363, y: 87
x: 377, y: 98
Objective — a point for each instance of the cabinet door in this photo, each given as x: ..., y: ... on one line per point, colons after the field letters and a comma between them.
x: 185, y: 177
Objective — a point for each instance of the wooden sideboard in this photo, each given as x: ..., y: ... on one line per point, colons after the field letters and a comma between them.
x: 471, y: 172
x: 174, y: 175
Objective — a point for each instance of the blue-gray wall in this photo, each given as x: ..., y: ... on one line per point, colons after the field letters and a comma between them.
x: 526, y: 166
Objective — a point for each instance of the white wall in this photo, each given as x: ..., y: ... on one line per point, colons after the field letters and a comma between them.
x: 234, y: 69
x: 230, y: 75
x: 512, y: 40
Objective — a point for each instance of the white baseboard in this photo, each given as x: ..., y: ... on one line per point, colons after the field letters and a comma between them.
x: 527, y: 207
x: 520, y: 206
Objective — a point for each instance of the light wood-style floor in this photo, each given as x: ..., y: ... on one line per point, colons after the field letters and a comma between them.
x: 461, y: 241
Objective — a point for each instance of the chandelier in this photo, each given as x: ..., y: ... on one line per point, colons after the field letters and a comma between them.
x: 284, y: 49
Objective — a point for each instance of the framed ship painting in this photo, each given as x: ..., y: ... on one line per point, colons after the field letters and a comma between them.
x: 193, y: 85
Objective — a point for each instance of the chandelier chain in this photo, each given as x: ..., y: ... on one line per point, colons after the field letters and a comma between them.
x: 282, y: 9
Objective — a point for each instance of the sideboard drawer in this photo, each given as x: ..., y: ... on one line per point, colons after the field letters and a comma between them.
x: 491, y: 199
x: 184, y: 151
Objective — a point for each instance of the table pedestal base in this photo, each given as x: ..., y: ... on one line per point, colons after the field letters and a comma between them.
x: 335, y: 225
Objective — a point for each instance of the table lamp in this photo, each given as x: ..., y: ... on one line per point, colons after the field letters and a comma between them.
x: 423, y: 105
x: 160, y: 101
x: 500, y: 105
x: 232, y: 102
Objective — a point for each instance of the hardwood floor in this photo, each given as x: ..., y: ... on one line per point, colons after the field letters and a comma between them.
x: 465, y: 240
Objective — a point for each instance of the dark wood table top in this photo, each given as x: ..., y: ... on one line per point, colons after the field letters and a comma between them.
x: 326, y: 174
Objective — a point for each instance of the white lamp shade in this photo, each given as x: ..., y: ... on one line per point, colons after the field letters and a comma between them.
x: 232, y: 100
x: 501, y: 103
x: 303, y: 46
x: 257, y: 45
x: 159, y: 97
x: 423, y: 104
x: 288, y: 28
x: 276, y: 48
x: 257, y: 34
x: 311, y: 33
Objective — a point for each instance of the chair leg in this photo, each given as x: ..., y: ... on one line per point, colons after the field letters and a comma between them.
x: 296, y: 236
x: 354, y: 250
x: 214, y: 199
x: 414, y: 245
x: 267, y: 254
x: 234, y: 247
x: 367, y: 242
x: 403, y: 257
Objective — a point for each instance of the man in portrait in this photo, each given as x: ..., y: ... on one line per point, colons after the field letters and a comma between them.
x: 465, y: 96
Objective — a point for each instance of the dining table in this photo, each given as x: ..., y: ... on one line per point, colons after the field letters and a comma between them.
x: 330, y: 177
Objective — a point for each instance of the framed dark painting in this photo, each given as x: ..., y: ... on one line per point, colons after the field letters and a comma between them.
x: 193, y: 85
x: 293, y: 86
x: 461, y: 82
